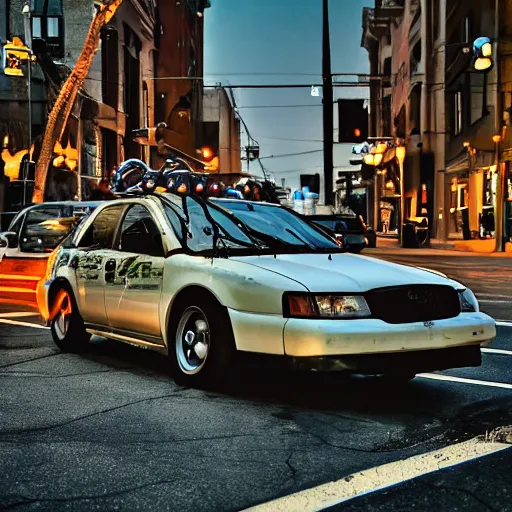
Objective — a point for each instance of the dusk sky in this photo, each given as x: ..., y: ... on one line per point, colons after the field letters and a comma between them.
x: 253, y: 41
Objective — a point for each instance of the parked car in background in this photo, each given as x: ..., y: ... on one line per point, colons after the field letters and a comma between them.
x: 349, y: 230
x: 30, y: 238
x: 202, y: 280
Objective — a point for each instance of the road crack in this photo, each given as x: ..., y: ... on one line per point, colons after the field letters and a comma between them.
x: 87, y: 416
x: 25, y: 500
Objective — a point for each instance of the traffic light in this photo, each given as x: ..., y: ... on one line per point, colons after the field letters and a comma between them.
x: 353, y: 121
x: 483, y: 52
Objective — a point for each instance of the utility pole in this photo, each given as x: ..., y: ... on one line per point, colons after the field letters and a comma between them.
x: 500, y: 175
x: 328, y: 100
x: 27, y: 13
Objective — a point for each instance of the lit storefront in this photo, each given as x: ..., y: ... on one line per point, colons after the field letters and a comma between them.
x: 471, y: 198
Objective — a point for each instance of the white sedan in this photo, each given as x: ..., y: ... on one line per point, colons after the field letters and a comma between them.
x: 203, y: 281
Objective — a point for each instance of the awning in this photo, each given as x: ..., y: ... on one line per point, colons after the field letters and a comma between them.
x: 459, y: 164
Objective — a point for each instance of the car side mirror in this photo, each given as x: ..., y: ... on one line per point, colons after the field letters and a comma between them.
x: 9, y: 239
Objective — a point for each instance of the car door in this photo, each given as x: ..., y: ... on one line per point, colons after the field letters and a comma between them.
x: 134, y: 275
x: 94, y: 250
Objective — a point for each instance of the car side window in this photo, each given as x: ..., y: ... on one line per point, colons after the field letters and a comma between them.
x: 140, y: 234
x: 15, y: 227
x: 42, y: 231
x: 100, y: 234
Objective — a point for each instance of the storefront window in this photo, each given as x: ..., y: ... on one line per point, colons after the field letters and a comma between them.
x: 508, y: 203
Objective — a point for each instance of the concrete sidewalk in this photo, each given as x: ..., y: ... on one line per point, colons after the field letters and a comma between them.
x: 474, y: 248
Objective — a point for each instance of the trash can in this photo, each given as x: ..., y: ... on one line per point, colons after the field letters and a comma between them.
x: 415, y: 234
x: 409, y: 238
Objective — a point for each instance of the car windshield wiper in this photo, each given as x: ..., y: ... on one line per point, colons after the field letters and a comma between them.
x: 241, y: 225
x: 300, y: 239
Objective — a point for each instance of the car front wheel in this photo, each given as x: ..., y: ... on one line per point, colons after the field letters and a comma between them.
x: 201, y: 342
x: 67, y: 326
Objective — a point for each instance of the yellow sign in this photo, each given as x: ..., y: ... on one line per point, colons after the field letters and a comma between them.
x: 13, y: 55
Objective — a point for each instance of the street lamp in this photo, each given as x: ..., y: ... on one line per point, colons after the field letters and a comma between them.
x: 482, y: 49
x: 183, y: 108
x: 400, y: 155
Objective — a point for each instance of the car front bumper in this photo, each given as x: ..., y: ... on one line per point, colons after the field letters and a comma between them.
x: 303, y: 338
x: 317, y: 338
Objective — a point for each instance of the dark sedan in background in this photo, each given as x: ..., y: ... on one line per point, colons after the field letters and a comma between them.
x: 349, y: 230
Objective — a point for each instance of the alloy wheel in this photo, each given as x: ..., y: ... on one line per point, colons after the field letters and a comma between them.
x: 192, y: 340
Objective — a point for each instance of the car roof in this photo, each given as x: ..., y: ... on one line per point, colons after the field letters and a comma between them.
x: 62, y: 203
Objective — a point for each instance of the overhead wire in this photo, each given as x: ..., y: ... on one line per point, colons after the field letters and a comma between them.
x: 292, y: 154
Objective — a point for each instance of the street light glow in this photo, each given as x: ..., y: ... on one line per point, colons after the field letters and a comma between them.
x: 483, y: 64
x: 487, y: 50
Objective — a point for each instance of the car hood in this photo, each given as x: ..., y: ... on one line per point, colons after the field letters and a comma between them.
x: 344, y: 272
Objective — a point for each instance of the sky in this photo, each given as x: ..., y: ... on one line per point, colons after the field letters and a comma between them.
x: 280, y: 42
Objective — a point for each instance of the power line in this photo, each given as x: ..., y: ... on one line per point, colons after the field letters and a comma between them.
x: 291, y: 140
x: 315, y: 169
x: 281, y: 106
x: 286, y: 86
x: 263, y: 74
x: 293, y: 154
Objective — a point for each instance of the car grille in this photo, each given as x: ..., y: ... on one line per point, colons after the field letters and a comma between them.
x: 415, y: 303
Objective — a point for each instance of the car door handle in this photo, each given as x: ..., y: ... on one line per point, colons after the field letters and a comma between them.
x: 110, y: 265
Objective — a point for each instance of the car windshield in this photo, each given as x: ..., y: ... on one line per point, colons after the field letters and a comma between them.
x: 279, y: 228
x: 237, y: 227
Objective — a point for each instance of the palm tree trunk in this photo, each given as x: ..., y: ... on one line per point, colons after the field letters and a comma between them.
x: 58, y: 118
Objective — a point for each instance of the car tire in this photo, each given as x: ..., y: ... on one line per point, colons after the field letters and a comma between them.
x: 67, y: 326
x: 201, y: 344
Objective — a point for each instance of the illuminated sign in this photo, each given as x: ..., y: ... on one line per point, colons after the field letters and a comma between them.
x: 14, y: 54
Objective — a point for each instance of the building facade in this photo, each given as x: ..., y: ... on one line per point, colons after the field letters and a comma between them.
x: 221, y: 130
x: 454, y: 120
x: 179, y: 79
x: 399, y: 41
x: 111, y: 103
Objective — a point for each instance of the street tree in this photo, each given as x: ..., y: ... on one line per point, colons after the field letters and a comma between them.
x: 61, y: 110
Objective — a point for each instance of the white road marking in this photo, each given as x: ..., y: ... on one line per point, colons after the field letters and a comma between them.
x: 486, y: 301
x: 493, y: 296
x: 22, y: 324
x: 496, y: 351
x: 17, y: 314
x: 381, y: 477
x: 462, y: 380
x: 503, y: 323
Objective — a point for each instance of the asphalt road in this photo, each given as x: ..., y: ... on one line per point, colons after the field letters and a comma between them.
x: 111, y: 430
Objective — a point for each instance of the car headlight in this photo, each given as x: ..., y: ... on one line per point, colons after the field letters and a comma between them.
x: 325, y: 306
x: 468, y: 301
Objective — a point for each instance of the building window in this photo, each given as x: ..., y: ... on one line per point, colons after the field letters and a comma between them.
x: 48, y: 24
x: 386, y: 116
x: 457, y: 113
x: 436, y: 19
x: 387, y: 72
